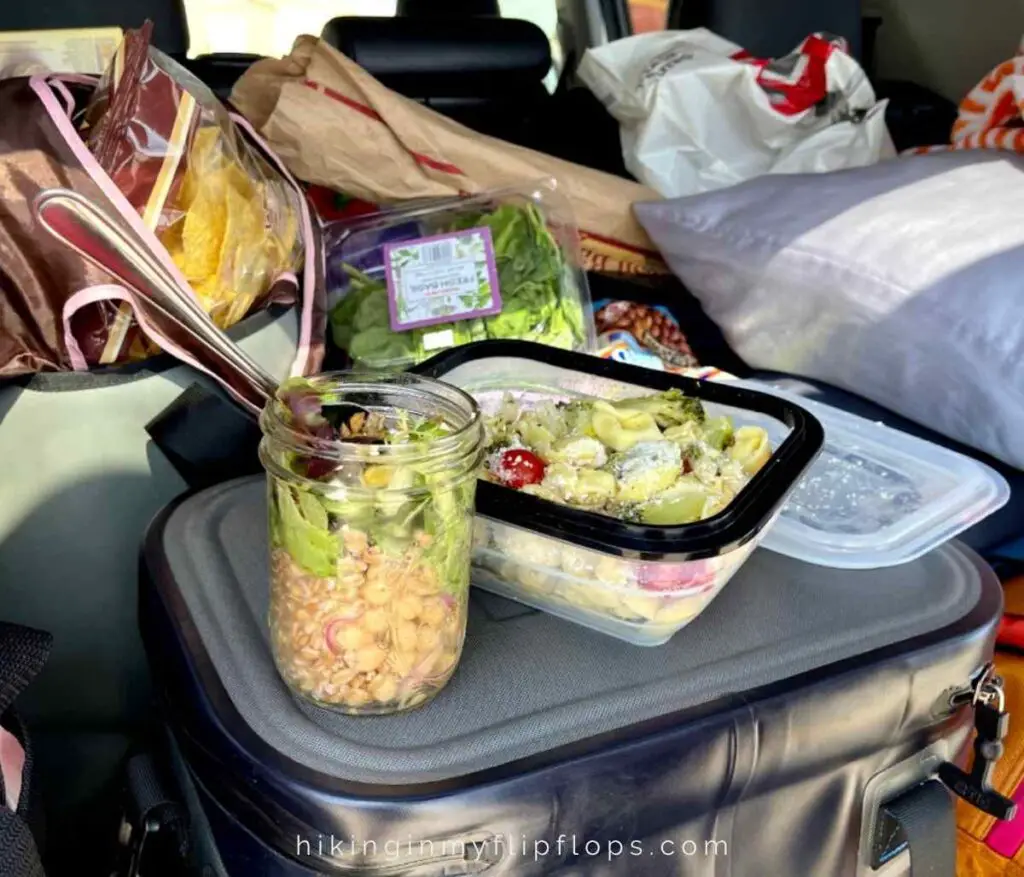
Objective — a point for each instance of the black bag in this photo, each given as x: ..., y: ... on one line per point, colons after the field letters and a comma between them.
x: 795, y: 727
x: 23, y: 652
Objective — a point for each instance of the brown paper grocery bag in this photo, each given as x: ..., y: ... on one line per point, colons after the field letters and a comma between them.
x: 333, y: 124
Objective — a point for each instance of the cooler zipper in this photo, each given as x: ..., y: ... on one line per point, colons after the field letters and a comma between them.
x: 984, y: 687
x: 986, y: 697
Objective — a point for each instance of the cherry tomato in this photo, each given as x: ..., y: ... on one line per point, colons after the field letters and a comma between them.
x: 517, y: 468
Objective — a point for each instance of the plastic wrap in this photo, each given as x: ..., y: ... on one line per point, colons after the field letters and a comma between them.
x: 407, y: 283
x: 229, y: 221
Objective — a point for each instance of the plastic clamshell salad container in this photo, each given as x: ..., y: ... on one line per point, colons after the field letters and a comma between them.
x: 637, y: 582
x: 877, y: 496
x: 503, y: 264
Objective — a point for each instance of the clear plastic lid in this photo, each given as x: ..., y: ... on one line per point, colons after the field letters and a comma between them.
x: 877, y: 496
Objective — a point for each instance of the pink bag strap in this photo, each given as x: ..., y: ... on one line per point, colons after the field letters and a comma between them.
x: 113, y: 292
x: 46, y: 92
x: 121, y: 205
x: 59, y: 82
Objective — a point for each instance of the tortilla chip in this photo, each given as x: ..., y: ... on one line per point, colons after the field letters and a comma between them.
x: 202, y: 233
x: 206, y: 154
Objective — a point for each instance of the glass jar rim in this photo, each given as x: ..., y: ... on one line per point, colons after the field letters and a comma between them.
x: 349, y: 382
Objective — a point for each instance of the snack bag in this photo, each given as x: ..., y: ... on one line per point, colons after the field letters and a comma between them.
x: 647, y: 328
x: 229, y: 221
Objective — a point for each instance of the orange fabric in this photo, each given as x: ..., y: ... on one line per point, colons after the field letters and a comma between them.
x: 974, y: 858
x: 1014, y: 595
x: 992, y: 114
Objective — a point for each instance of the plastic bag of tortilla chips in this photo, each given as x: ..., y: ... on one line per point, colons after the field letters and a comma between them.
x: 229, y: 220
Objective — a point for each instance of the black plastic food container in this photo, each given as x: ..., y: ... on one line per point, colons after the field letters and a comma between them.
x: 637, y: 582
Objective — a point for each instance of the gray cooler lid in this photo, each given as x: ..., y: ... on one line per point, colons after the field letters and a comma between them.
x: 528, y: 682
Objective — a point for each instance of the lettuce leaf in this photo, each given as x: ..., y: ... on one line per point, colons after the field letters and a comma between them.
x: 310, y: 544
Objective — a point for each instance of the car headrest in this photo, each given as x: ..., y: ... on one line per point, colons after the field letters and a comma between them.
x: 429, y: 57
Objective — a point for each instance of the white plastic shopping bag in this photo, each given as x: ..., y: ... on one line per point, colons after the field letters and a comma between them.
x: 697, y: 112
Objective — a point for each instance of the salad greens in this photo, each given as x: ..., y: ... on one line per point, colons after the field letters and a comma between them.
x: 392, y: 505
x: 541, y: 296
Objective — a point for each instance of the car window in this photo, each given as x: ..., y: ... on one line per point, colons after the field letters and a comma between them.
x: 269, y: 27
x: 544, y: 14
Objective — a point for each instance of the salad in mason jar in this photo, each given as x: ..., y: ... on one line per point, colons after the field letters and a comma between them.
x: 371, y: 485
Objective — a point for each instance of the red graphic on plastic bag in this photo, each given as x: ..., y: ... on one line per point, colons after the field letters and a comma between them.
x: 796, y: 82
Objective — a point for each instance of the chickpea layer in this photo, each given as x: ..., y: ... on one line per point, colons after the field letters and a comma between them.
x: 379, y: 635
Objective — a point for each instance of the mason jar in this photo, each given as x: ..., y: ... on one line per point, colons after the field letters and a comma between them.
x: 371, y: 483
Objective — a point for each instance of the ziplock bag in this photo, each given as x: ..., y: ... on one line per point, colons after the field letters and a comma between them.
x: 228, y: 219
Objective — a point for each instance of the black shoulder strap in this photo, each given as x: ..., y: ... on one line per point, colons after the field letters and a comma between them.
x: 18, y: 854
x: 23, y: 652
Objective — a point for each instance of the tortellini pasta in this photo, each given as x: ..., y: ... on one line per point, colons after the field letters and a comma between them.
x: 658, y: 459
x: 621, y: 430
x: 750, y: 448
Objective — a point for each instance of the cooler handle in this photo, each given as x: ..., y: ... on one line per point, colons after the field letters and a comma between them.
x: 921, y: 821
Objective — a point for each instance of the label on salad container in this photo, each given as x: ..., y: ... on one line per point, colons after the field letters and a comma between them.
x: 438, y: 340
x: 441, y: 279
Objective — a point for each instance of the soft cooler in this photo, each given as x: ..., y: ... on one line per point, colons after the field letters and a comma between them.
x: 764, y: 739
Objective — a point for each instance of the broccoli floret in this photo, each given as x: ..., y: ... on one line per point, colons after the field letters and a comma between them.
x: 692, y: 453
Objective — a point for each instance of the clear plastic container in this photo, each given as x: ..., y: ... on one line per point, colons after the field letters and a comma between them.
x: 370, y: 541
x: 640, y: 583
x: 876, y: 496
x: 644, y: 602
x: 409, y: 282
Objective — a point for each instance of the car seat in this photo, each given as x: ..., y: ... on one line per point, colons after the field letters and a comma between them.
x: 484, y: 71
x: 466, y: 61
x: 449, y: 9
